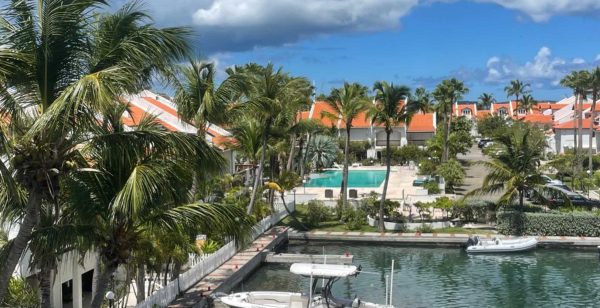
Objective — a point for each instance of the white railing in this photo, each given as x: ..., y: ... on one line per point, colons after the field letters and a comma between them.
x: 204, y: 266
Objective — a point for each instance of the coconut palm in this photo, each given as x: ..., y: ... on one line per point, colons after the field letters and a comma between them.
x: 55, y: 76
x: 485, y: 101
x: 347, y: 103
x: 517, y: 88
x: 272, y: 94
x: 594, y: 86
x: 322, y: 151
x: 447, y: 93
x: 578, y: 81
x: 139, y: 185
x: 527, y: 103
x: 515, y: 170
x: 389, y: 113
x: 422, y: 100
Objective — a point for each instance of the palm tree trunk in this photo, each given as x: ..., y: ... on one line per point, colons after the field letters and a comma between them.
x: 446, y: 138
x: 140, y: 283
x: 579, y: 132
x: 291, y: 214
x: 388, y: 164
x: 300, y: 152
x: 261, y: 164
x: 575, y: 131
x: 521, y: 200
x: 20, y: 242
x: 345, y: 171
x: 102, y: 284
x: 290, y: 162
x: 46, y: 287
x: 302, y: 166
x: 591, y: 131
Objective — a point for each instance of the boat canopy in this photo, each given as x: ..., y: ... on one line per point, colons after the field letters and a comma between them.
x: 323, y: 270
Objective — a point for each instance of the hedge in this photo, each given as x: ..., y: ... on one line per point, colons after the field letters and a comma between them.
x: 550, y: 224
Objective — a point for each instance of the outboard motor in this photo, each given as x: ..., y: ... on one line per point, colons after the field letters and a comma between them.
x: 472, y: 241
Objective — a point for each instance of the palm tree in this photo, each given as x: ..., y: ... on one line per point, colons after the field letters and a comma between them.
x: 516, y: 88
x: 422, y: 101
x: 272, y: 94
x: 55, y: 76
x: 138, y: 185
x: 485, y: 101
x: 578, y: 81
x: 516, y: 169
x: 527, y: 103
x: 347, y: 103
x: 594, y: 87
x: 247, y: 133
x: 447, y: 94
x: 387, y: 112
x: 322, y: 151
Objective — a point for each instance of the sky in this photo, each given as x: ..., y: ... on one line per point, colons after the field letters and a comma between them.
x: 485, y: 43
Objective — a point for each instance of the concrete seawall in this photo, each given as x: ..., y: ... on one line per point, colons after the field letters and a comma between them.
x: 435, y: 239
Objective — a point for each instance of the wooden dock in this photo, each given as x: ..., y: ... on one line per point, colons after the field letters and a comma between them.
x: 273, y: 257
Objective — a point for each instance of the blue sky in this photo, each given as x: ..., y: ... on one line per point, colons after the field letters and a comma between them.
x: 486, y: 43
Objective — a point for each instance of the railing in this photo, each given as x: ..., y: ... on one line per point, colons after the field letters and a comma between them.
x: 204, y: 266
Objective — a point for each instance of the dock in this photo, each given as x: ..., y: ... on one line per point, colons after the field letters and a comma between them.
x: 232, y: 272
x: 273, y: 257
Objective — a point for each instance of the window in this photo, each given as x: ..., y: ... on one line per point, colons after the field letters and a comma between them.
x: 466, y: 111
x: 502, y: 111
x: 521, y: 111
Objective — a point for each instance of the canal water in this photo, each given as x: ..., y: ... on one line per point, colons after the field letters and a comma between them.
x: 448, y: 277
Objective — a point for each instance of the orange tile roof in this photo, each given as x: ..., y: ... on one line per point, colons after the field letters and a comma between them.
x: 361, y: 121
x: 464, y: 106
x: 571, y: 124
x: 136, y: 114
x: 421, y: 123
x: 483, y: 113
x: 162, y: 106
x: 321, y: 107
x: 538, y: 119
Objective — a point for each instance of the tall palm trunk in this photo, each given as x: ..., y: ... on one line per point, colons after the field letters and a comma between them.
x: 46, y: 287
x: 302, y: 166
x: 290, y: 162
x: 20, y: 242
x: 102, y: 284
x: 140, y: 283
x: 388, y: 164
x: 345, y: 171
x: 300, y: 152
x: 591, y: 130
x: 261, y: 163
x: 575, y: 133
x: 446, y: 137
x: 580, y: 132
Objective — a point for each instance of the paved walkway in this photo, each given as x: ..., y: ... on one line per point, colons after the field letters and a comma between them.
x: 224, y: 278
x: 436, y: 239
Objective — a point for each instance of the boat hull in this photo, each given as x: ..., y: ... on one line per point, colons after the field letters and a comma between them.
x: 503, y: 246
x: 260, y: 299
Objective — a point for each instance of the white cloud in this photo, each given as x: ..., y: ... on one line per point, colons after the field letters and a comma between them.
x: 542, y: 10
x: 543, y: 69
x: 240, y: 25
x: 597, y: 58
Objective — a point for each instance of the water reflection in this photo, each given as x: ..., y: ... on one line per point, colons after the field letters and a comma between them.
x: 446, y: 277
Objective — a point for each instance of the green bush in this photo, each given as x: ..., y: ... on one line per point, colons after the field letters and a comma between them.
x: 473, y: 210
x: 316, y: 213
x: 354, y: 219
x: 425, y: 228
x: 550, y: 224
x: 20, y: 294
x: 432, y: 187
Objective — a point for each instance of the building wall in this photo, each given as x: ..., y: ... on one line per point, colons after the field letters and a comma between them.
x: 564, y: 138
x: 419, y: 138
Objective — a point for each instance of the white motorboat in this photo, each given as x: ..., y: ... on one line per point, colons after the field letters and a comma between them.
x: 496, y: 245
x: 316, y: 298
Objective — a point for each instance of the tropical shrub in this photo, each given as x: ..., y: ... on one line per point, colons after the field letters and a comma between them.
x: 487, y: 126
x: 452, y: 172
x: 432, y: 187
x: 354, y: 218
x: 316, y: 213
x: 427, y: 167
x: 425, y: 228
x: 473, y: 210
x: 548, y: 224
x: 20, y: 294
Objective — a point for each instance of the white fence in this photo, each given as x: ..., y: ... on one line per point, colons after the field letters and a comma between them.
x: 206, y: 265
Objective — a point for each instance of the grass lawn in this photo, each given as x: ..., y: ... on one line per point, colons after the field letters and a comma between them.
x: 335, y: 225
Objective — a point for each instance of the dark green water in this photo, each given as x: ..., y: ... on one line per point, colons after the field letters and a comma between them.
x: 448, y: 277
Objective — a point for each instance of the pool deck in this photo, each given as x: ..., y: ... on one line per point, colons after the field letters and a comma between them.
x: 400, y: 185
x: 435, y: 239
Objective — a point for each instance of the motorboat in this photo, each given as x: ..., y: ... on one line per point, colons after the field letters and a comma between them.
x: 496, y: 245
x: 317, y: 297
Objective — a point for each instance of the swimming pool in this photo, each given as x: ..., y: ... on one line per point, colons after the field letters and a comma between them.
x: 356, y: 178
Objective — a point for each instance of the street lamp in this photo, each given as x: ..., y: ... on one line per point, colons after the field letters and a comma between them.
x: 110, y: 296
x: 304, y: 185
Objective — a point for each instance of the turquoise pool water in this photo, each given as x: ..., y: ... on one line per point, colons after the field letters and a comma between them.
x: 356, y: 178
x: 448, y: 277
